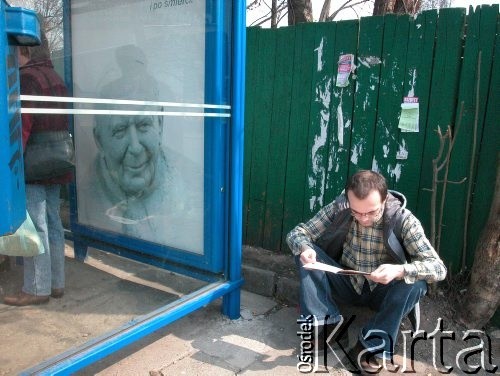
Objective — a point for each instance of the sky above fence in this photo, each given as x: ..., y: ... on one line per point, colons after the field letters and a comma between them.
x: 361, y: 10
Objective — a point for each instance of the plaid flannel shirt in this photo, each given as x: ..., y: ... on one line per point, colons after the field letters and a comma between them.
x: 364, y: 248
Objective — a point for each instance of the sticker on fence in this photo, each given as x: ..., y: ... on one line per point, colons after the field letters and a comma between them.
x: 408, y: 121
x: 344, y: 70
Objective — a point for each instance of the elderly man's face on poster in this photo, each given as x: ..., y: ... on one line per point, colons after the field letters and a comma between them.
x: 141, y: 175
x: 130, y: 146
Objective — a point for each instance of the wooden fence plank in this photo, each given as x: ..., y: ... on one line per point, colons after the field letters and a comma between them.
x: 442, y: 105
x: 262, y: 127
x: 299, y: 125
x: 369, y: 62
x: 386, y: 146
x: 252, y: 70
x: 341, y: 112
x: 481, y: 27
x: 488, y: 156
x: 417, y: 83
x: 319, y: 118
x: 278, y: 144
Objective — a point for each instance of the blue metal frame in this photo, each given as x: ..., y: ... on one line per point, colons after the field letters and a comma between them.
x: 98, y: 348
x: 18, y: 26
x: 216, y: 130
x: 229, y: 289
x: 231, y: 301
x: 22, y: 25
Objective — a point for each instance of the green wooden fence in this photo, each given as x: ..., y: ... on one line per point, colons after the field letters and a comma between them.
x: 304, y: 135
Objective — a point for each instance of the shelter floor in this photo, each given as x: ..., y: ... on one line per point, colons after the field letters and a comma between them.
x: 101, y: 294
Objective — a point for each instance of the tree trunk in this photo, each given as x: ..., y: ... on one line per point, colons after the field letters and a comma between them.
x: 274, y: 14
x: 325, y: 11
x: 483, y: 295
x: 299, y: 11
x: 382, y: 7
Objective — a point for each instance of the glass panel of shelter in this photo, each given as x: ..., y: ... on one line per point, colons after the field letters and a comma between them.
x: 139, y: 127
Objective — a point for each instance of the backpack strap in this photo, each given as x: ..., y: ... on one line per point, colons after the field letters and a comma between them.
x: 398, y: 227
x: 399, y: 248
x: 395, y: 238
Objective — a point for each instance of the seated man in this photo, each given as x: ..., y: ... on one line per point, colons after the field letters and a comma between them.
x: 360, y: 231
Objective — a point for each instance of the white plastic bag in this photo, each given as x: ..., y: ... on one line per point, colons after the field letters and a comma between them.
x: 24, y: 242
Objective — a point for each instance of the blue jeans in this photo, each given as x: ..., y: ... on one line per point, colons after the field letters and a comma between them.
x: 46, y: 271
x: 321, y: 291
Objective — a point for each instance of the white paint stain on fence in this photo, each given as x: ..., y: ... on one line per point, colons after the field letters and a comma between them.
x: 357, y: 151
x: 386, y: 149
x: 340, y: 122
x: 411, y: 92
x: 375, y: 165
x: 318, y: 173
x: 394, y: 172
x: 319, y: 50
x: 402, y: 151
x: 366, y: 102
x: 369, y: 61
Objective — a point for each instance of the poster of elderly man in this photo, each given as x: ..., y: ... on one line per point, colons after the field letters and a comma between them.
x: 140, y: 172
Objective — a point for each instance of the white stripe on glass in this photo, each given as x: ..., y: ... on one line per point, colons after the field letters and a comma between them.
x: 41, y: 98
x: 118, y: 112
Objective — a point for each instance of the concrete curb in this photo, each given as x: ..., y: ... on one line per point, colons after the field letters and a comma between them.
x: 270, y: 274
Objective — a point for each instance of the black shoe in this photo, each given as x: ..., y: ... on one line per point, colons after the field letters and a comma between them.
x: 24, y: 299
x: 334, y: 333
x: 57, y: 293
x: 366, y: 362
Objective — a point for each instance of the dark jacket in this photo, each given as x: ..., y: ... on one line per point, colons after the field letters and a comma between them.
x: 332, y: 241
x: 40, y: 78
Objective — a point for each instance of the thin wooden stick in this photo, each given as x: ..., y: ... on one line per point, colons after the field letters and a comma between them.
x: 435, y: 172
x: 445, y: 177
x: 472, y: 163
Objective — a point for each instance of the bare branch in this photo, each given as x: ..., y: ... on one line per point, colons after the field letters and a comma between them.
x: 453, y: 182
x: 457, y: 182
x: 267, y: 17
x: 345, y: 6
x: 325, y: 10
x: 261, y: 20
x: 254, y: 4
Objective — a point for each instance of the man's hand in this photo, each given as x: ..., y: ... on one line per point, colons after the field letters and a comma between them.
x: 385, y: 273
x: 307, y: 256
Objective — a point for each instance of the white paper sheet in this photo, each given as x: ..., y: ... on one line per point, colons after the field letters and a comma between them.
x: 331, y: 269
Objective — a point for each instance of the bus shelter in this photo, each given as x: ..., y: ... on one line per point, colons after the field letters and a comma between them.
x: 156, y: 108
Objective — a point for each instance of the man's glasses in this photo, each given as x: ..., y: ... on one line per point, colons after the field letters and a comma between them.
x: 370, y: 214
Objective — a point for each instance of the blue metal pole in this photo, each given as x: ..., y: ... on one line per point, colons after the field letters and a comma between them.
x: 231, y: 301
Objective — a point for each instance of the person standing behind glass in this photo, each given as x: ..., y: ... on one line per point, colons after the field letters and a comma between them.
x: 43, y: 274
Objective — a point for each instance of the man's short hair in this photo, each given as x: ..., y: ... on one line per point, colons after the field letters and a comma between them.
x: 365, y: 181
